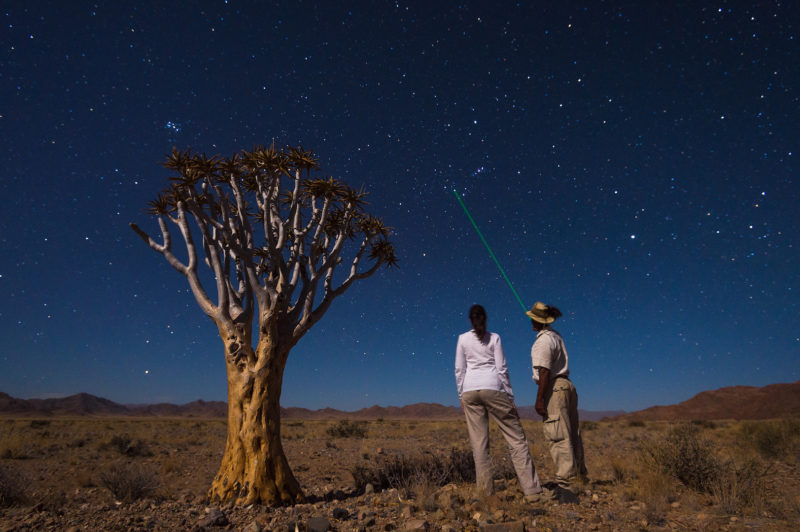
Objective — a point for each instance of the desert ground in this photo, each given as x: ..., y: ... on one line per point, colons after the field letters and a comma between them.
x: 152, y: 474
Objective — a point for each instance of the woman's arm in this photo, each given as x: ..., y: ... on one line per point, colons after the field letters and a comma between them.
x: 461, y: 367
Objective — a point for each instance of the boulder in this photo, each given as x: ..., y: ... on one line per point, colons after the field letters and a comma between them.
x: 318, y: 524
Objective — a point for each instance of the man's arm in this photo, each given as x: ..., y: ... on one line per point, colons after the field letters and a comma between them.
x: 544, y: 386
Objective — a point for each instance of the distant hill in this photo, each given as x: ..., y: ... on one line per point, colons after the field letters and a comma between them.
x: 84, y: 404
x: 733, y: 402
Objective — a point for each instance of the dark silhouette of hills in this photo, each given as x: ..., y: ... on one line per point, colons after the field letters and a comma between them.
x: 732, y: 402
x: 84, y: 404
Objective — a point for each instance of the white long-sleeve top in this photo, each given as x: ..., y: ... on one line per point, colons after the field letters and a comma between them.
x: 481, y: 365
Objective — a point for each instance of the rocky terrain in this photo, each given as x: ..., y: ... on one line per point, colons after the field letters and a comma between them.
x: 72, y: 474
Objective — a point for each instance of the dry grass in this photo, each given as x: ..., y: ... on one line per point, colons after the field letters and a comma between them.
x: 774, y: 438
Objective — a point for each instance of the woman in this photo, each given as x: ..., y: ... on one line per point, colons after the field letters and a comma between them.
x: 484, y: 389
x: 556, y: 399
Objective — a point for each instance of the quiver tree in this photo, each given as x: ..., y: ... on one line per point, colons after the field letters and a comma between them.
x: 273, y: 237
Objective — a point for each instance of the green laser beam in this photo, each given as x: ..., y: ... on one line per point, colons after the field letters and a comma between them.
x: 497, y: 263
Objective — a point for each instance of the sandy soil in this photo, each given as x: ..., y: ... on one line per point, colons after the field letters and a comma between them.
x: 53, y: 471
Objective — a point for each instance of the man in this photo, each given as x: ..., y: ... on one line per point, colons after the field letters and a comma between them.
x: 557, y: 401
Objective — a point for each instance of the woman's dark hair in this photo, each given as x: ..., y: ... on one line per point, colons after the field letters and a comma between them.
x: 476, y: 309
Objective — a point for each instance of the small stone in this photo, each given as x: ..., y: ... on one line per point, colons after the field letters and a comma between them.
x: 369, y: 489
x: 734, y: 519
x: 417, y: 524
x: 253, y: 527
x: 675, y: 504
x: 318, y: 524
x: 515, y: 526
x: 340, y: 513
x: 215, y: 517
x: 595, y: 498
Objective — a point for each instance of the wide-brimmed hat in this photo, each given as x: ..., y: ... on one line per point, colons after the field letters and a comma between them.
x: 539, y: 312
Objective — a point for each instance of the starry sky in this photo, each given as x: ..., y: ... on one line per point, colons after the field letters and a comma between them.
x: 633, y: 163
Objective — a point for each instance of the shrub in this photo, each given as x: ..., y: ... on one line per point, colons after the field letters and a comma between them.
x: 413, y: 473
x: 12, y: 490
x: 635, y: 423
x: 772, y: 439
x: 704, y: 423
x: 685, y: 456
x: 653, y: 488
x: 739, y: 489
x: 128, y: 447
x: 129, y: 483
x: 588, y: 425
x: 620, y: 469
x: 347, y: 429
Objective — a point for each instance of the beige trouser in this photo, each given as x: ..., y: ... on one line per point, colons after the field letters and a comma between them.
x: 478, y: 406
x: 563, y: 434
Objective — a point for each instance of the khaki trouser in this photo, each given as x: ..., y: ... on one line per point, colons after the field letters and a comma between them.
x: 563, y: 434
x: 478, y: 406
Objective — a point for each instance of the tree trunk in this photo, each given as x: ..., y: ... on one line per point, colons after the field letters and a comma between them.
x: 254, y: 468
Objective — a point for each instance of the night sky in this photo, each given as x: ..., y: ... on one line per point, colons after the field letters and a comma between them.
x: 633, y: 164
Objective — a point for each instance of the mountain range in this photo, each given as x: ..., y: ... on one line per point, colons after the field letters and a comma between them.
x: 734, y: 402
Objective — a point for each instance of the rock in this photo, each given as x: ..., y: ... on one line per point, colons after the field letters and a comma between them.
x: 340, y: 513
x: 318, y: 524
x: 369, y: 489
x: 515, y: 526
x: 253, y: 527
x: 595, y: 498
x: 215, y: 517
x: 417, y: 524
x: 734, y: 519
x: 675, y: 504
x: 449, y: 499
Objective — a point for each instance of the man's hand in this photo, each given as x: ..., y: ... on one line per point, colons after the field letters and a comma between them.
x: 540, y: 409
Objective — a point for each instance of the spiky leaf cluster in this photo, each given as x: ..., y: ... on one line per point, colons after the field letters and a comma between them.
x: 270, y: 227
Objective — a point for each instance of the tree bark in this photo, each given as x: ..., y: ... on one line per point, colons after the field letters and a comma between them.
x: 254, y: 468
